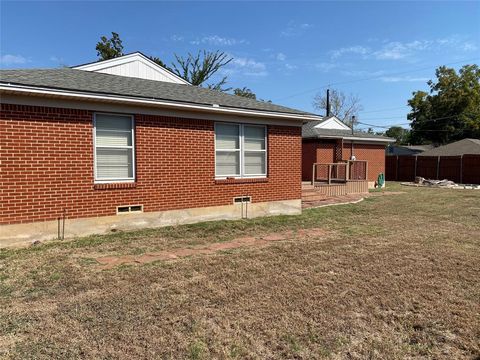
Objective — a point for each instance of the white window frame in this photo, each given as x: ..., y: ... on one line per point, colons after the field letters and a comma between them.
x: 242, y: 151
x: 132, y: 147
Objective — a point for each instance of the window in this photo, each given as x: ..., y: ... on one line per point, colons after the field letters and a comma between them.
x: 114, y: 148
x: 240, y: 150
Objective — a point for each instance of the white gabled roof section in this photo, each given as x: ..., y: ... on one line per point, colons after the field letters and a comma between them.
x: 332, y: 123
x: 133, y: 65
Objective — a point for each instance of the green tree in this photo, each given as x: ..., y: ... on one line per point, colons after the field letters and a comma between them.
x: 245, y: 92
x: 109, y: 48
x: 450, y: 111
x: 199, y: 68
x: 400, y: 134
x: 196, y: 69
x: 159, y: 61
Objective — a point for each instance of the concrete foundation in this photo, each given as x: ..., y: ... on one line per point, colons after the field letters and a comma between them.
x: 25, y: 234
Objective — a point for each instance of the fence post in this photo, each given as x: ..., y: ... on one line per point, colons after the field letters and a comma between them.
x: 313, y: 175
x: 438, y: 166
x: 461, y: 169
x: 415, y: 171
x: 329, y: 174
x: 396, y: 169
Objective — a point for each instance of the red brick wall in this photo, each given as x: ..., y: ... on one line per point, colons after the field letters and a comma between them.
x: 314, y: 151
x: 374, y: 154
x: 47, y: 166
x: 323, y: 151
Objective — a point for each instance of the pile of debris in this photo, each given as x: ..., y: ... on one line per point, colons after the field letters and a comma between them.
x: 437, y: 183
x: 420, y: 181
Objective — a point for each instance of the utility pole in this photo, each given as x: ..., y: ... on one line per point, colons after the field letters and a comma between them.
x: 328, y: 103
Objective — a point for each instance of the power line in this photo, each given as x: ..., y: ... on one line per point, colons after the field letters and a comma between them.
x: 389, y: 126
x: 382, y: 110
x: 369, y: 78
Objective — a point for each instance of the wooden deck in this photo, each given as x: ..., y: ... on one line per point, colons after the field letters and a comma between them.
x: 334, y: 189
x: 336, y: 179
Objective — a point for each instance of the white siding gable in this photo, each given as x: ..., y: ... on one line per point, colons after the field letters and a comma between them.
x: 332, y: 123
x: 133, y: 65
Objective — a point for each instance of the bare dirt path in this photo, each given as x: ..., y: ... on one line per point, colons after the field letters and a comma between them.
x: 108, y: 262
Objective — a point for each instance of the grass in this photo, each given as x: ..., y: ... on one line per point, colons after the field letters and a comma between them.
x: 394, y: 277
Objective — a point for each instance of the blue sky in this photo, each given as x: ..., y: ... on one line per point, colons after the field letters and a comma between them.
x: 284, y: 51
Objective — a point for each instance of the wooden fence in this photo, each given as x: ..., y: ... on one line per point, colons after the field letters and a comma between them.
x: 463, y: 169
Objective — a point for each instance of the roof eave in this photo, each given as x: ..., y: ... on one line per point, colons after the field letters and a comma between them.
x: 355, y: 138
x: 79, y: 95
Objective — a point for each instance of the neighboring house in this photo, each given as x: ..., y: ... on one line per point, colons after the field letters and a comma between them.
x: 393, y: 150
x: 329, y: 140
x: 457, y: 148
x: 124, y: 143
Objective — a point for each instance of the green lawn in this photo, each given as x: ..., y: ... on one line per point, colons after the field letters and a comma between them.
x: 392, y: 277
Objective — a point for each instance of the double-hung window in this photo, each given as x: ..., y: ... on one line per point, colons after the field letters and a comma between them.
x: 114, y: 148
x: 240, y: 150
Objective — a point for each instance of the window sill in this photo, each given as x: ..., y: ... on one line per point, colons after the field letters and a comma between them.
x: 108, y: 186
x: 241, y: 181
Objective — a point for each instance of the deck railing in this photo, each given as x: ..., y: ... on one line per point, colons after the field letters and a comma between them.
x: 340, y: 172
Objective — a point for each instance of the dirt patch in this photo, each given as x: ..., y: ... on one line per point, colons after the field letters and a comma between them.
x: 345, y: 199
x: 108, y: 262
x: 384, y: 193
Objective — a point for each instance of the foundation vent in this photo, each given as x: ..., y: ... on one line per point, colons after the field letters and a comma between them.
x: 129, y: 209
x: 242, y: 199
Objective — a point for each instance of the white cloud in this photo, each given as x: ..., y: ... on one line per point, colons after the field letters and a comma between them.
x: 351, y: 49
x: 245, y: 66
x: 294, y: 29
x: 397, y: 50
x: 218, y: 41
x: 9, y: 59
x: 290, y: 66
x: 325, y: 66
x: 281, y: 56
x: 176, y: 37
x: 403, y: 79
x: 468, y: 46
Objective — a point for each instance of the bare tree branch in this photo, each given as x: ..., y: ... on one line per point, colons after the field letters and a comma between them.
x: 341, y: 105
x: 197, y: 69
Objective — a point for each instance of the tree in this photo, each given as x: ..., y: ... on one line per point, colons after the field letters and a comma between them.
x: 158, y: 61
x: 400, y: 134
x: 109, y: 48
x: 197, y: 69
x: 341, y: 105
x: 245, y: 92
x: 450, y: 111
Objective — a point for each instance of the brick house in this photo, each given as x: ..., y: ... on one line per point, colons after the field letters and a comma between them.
x: 331, y: 141
x: 124, y: 143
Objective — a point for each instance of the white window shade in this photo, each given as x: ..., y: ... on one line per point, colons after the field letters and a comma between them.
x: 254, y: 137
x: 228, y: 163
x: 254, y: 163
x: 114, y: 150
x: 240, y: 150
x: 114, y: 163
x: 227, y: 137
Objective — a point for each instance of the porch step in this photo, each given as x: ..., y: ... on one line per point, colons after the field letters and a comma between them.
x: 312, y: 195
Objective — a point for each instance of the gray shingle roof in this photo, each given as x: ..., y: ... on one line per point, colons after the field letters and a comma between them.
x: 309, y: 132
x: 461, y: 147
x: 99, y: 83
